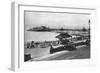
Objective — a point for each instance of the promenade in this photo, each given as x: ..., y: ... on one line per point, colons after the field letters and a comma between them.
x: 82, y: 52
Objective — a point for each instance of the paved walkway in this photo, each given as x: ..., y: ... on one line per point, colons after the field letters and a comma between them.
x: 50, y: 56
x: 82, y: 52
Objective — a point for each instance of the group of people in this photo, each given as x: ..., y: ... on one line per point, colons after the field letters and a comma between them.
x: 43, y: 44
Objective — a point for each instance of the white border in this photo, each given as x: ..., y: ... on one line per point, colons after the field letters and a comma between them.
x: 18, y: 34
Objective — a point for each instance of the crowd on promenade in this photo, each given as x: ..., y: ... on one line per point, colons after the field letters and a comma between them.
x: 42, y: 44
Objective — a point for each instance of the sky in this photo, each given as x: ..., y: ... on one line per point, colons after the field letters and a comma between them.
x: 56, y: 20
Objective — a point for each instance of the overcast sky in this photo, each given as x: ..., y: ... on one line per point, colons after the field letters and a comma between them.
x: 56, y: 20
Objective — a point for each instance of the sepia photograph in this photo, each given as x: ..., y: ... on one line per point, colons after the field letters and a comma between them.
x: 50, y: 36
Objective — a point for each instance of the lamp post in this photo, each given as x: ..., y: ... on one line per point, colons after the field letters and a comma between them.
x: 89, y: 28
